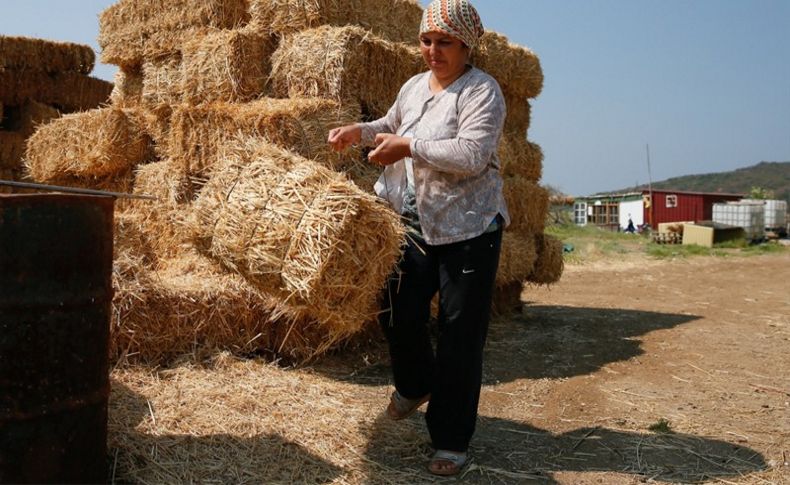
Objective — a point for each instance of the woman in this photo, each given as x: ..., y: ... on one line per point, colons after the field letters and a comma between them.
x: 438, y: 146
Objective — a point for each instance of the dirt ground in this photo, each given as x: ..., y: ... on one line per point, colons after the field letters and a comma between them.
x: 697, y: 349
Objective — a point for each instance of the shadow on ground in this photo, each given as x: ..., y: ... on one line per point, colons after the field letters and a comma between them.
x: 510, y: 452
x: 541, y: 342
x: 137, y: 457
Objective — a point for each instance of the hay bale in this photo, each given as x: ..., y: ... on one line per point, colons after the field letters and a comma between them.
x: 516, y: 68
x: 225, y: 65
x: 363, y: 174
x: 25, y: 118
x: 162, y: 80
x: 517, y: 258
x: 25, y: 53
x: 520, y: 157
x: 67, y: 91
x: 527, y: 203
x: 34, y: 114
x: 198, y: 133
x: 507, y: 299
x: 190, y: 305
x: 133, y: 29
x: 343, y: 63
x: 549, y: 265
x: 12, y: 149
x: 128, y: 87
x: 300, y: 231
x: 98, y: 143
x: 395, y: 20
x: 519, y: 115
x: 161, y: 227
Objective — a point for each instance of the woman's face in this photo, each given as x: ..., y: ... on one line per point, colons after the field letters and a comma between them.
x: 445, y: 55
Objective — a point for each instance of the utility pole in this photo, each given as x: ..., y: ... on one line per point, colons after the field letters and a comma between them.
x: 650, y: 189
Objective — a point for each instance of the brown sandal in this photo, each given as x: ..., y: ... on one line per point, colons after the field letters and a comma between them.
x: 401, y: 407
x: 447, y: 463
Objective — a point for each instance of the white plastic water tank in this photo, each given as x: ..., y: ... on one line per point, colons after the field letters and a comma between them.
x: 750, y: 215
x: 775, y: 213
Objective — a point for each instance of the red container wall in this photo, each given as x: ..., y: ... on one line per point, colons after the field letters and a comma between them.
x: 689, y: 207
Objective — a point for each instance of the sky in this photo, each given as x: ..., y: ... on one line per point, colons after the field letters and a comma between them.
x: 704, y: 83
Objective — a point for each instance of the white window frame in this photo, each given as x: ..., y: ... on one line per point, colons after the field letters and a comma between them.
x: 671, y: 201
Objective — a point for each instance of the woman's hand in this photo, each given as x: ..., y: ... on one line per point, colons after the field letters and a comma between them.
x: 341, y: 138
x: 390, y: 148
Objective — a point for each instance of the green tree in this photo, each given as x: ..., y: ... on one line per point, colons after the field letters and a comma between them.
x: 761, y: 193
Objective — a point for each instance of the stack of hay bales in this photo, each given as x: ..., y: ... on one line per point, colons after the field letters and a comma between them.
x: 262, y: 240
x: 39, y: 80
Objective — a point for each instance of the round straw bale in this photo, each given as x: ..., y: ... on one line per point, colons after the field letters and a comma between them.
x: 301, y: 231
x: 395, y: 20
x: 527, y: 203
x: 92, y: 144
x: 549, y: 266
x: 520, y: 157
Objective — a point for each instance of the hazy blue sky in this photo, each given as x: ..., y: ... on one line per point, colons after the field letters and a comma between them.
x: 705, y: 82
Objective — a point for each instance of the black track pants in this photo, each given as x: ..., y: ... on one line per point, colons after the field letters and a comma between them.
x: 463, y: 273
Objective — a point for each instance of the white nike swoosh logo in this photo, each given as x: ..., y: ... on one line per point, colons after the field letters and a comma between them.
x: 467, y: 271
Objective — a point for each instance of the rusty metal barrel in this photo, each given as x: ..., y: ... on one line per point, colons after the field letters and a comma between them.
x: 55, y: 296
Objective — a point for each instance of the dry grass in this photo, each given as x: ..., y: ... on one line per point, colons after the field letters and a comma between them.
x: 162, y: 236
x: 343, y: 63
x: 68, y: 91
x: 27, y: 54
x: 198, y: 133
x: 162, y: 80
x: 395, y: 20
x: 300, y: 231
x: 97, y: 143
x: 520, y: 157
x: 527, y: 203
x: 133, y: 29
x: 519, y: 115
x: 33, y: 114
x: 363, y: 174
x: 190, y: 307
x: 516, y: 68
x: 517, y: 259
x: 128, y: 88
x: 226, y: 65
x: 549, y: 266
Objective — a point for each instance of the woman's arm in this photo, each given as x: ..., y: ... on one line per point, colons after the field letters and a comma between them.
x: 388, y: 124
x: 480, y: 120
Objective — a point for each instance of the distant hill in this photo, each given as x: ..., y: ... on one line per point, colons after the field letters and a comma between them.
x: 774, y: 176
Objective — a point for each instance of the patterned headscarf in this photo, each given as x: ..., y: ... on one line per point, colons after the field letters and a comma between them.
x: 454, y: 17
